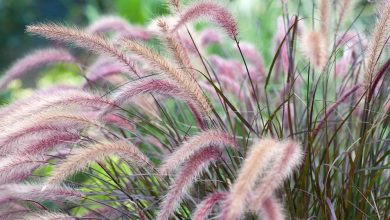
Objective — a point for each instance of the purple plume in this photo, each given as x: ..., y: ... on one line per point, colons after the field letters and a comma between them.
x: 204, y: 208
x: 280, y: 35
x: 119, y: 25
x: 185, y: 178
x: 17, y: 105
x: 289, y: 157
x: 194, y: 145
x: 271, y: 209
x: 33, y: 61
x: 157, y: 86
x: 229, y: 68
x: 118, y: 121
x: 102, y: 68
x: 24, y: 135
x: 210, y: 36
x: 211, y: 11
x: 254, y: 57
x: 14, y: 169
x: 49, y: 143
x: 34, y: 192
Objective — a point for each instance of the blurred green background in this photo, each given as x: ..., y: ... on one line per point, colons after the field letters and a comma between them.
x: 16, y: 14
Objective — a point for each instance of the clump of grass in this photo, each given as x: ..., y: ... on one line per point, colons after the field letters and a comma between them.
x: 181, y: 130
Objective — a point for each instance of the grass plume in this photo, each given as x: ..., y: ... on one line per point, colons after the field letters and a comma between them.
x: 95, y: 153
x: 81, y: 39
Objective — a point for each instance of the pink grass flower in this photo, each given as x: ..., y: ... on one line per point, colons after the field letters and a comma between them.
x: 185, y: 178
x: 118, y: 121
x: 289, y: 157
x: 110, y: 23
x: 212, y: 11
x: 83, y: 39
x: 255, y: 58
x: 38, y: 101
x: 16, y: 106
x: 12, y: 211
x: 204, y: 208
x: 155, y: 85
x: 280, y: 34
x: 210, y: 36
x: 14, y: 169
x: 49, y: 143
x: 34, y: 60
x: 271, y: 209
x: 255, y: 164
x: 102, y: 68
x: 83, y: 157
x: 34, y: 192
x: 314, y: 48
x: 47, y: 216
x: 73, y: 101
x: 195, y: 144
x: 343, y: 64
x: 24, y: 135
x: 230, y: 68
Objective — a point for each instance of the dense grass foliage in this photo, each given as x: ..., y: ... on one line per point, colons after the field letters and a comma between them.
x: 181, y: 119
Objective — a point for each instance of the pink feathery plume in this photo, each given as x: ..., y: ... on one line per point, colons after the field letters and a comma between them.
x: 17, y: 105
x: 47, y: 216
x: 38, y: 101
x: 387, y: 107
x: 15, y: 169
x: 84, y: 157
x: 232, y: 85
x: 108, y: 23
x: 147, y: 104
x: 288, y: 158
x: 208, y: 89
x: 210, y: 36
x: 118, y: 121
x: 146, y: 85
x: 22, y: 136
x: 12, y: 211
x: 314, y: 48
x: 49, y: 117
x: 349, y: 39
x: 254, y: 57
x: 230, y: 68
x: 195, y: 144
x: 288, y: 108
x: 34, y: 192
x: 185, y: 178
x: 211, y: 11
x: 135, y: 33
x: 332, y: 108
x: 255, y: 164
x: 280, y: 34
x: 48, y: 143
x: 156, y: 86
x: 343, y: 64
x: 271, y: 209
x: 204, y: 208
x: 350, y: 42
x: 34, y: 60
x: 103, y: 68
x: 82, y: 39
x: 82, y: 101
x: 378, y: 78
x: 117, y: 24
